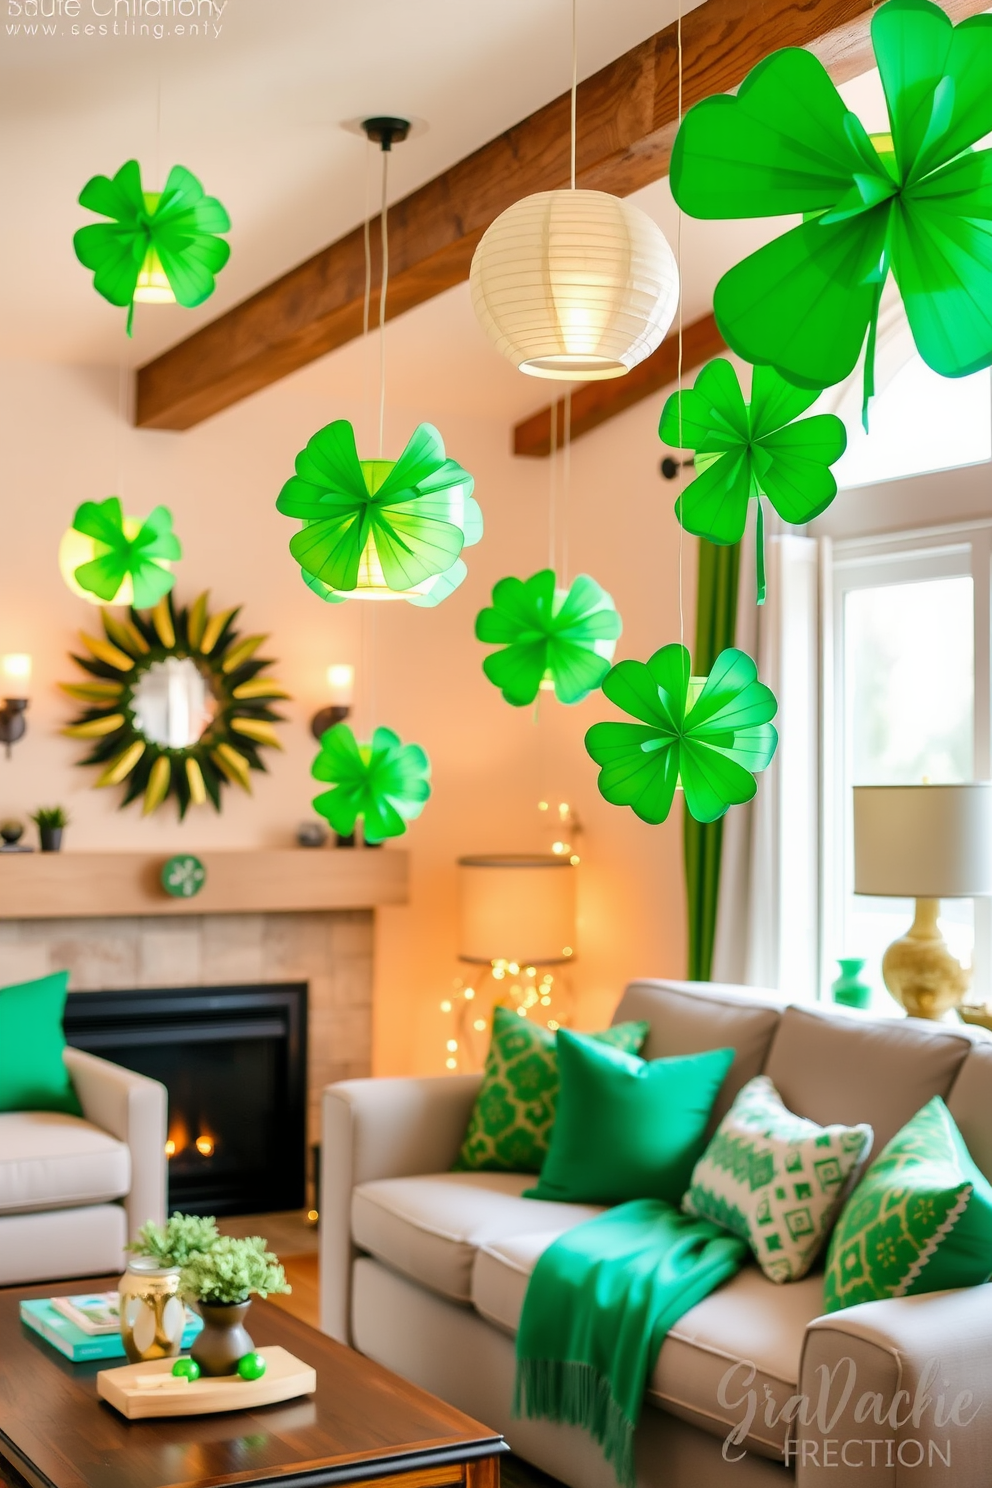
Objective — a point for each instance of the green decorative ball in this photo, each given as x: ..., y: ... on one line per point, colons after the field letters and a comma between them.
x: 186, y: 1369
x: 251, y: 1367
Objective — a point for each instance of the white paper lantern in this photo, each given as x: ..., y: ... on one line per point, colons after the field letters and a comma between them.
x: 575, y: 285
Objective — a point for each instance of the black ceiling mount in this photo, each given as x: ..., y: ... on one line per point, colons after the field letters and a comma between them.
x: 383, y: 131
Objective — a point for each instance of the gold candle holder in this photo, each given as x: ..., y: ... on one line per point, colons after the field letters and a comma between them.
x: 151, y: 1310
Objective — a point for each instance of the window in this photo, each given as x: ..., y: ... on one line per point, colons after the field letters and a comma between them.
x: 910, y: 630
x: 919, y: 420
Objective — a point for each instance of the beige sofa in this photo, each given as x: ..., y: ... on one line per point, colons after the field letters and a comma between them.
x: 425, y: 1270
x: 74, y: 1190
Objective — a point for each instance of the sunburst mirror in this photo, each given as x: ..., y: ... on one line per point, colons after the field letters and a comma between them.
x: 175, y: 703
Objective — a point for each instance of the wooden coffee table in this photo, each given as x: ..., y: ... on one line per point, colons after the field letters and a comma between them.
x: 363, y: 1424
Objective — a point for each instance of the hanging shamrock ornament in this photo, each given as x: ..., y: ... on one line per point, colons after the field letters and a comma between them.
x: 159, y: 246
x: 386, y: 783
x: 917, y: 201
x: 108, y: 558
x: 747, y: 451
x: 380, y: 529
x: 550, y: 637
x: 709, y: 734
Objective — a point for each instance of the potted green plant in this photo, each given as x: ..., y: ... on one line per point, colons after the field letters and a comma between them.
x: 51, y: 821
x: 152, y: 1312
x: 221, y: 1281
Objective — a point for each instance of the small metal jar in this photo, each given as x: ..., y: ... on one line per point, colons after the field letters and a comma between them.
x: 151, y: 1310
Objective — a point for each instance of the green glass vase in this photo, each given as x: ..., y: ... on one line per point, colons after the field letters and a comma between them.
x: 850, y: 989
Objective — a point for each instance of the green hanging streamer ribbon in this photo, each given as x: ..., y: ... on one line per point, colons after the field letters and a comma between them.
x: 759, y: 554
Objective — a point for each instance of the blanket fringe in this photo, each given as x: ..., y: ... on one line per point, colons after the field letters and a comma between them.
x: 577, y: 1395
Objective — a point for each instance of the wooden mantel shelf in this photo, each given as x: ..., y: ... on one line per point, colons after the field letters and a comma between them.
x: 44, y: 886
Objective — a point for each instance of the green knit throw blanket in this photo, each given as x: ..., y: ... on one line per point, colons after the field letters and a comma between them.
x: 598, y: 1306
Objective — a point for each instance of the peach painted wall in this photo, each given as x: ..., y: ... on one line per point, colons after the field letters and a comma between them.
x: 62, y: 441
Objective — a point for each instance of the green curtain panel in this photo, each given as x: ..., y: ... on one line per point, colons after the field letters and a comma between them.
x: 716, y: 626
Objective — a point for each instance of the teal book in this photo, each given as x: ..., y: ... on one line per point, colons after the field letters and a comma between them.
x: 55, y: 1328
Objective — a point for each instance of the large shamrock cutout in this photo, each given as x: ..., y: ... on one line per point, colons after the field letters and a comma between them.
x: 563, y: 638
x: 380, y: 528
x: 127, y: 562
x: 711, y: 734
x: 386, y: 783
x: 171, y: 233
x: 918, y: 201
x: 744, y: 451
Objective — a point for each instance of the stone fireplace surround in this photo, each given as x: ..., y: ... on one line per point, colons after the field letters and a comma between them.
x: 173, y: 945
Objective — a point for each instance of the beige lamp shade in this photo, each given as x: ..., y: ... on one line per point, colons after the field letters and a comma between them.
x: 576, y: 285
x: 516, y: 907
x: 923, y: 841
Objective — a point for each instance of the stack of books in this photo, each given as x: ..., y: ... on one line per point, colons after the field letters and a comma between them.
x: 87, y: 1326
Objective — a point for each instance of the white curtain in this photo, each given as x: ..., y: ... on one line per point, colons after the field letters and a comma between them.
x: 768, y: 911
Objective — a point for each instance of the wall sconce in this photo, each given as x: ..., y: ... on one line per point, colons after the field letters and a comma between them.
x: 15, y: 678
x: 340, y: 690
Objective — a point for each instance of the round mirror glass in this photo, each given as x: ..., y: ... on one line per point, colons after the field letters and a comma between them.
x: 172, y: 703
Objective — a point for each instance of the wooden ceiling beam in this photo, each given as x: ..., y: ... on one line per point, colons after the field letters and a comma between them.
x: 627, y: 117
x: 595, y: 402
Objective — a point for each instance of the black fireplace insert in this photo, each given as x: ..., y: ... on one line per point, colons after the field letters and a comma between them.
x: 233, y: 1060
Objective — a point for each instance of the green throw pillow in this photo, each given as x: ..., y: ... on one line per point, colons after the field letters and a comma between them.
x: 627, y: 1128
x: 919, y: 1221
x: 33, y: 1076
x: 514, y: 1111
x: 775, y: 1179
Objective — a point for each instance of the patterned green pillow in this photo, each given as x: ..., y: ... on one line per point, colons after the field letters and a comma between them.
x: 775, y: 1179
x: 919, y: 1221
x: 514, y: 1111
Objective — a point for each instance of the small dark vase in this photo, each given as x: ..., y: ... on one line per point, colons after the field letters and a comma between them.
x: 51, y: 838
x: 224, y: 1339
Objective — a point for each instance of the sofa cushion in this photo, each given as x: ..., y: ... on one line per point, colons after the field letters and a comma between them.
x: 52, y: 1161
x: 970, y: 1105
x: 828, y: 1066
x: 703, y: 1371
x: 688, y: 1017
x: 430, y: 1227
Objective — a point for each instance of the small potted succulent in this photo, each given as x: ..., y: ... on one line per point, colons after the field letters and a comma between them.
x: 221, y: 1282
x: 51, y: 821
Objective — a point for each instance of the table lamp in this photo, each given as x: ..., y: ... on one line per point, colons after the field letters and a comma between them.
x: 923, y: 842
x: 516, y: 926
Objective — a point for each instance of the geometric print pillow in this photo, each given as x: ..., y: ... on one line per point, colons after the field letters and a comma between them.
x: 775, y: 1179
x: 514, y: 1111
x: 920, y: 1220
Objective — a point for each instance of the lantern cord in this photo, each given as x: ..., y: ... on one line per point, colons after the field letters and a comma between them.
x: 575, y: 65
x: 367, y: 298
x: 678, y: 260
x: 552, y: 485
x: 384, y: 228
x: 566, y: 480
x: 122, y: 413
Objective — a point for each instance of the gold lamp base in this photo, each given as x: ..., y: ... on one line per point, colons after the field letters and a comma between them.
x: 919, y: 970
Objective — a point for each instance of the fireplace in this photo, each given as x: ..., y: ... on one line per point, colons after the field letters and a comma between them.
x: 233, y: 1060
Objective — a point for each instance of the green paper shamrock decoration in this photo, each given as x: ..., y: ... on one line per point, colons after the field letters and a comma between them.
x: 711, y: 734
x: 158, y: 246
x: 380, y: 529
x: 560, y: 638
x: 918, y: 201
x: 116, y: 560
x: 746, y: 451
x: 386, y: 783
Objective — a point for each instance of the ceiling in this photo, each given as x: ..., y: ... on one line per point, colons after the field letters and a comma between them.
x: 253, y: 106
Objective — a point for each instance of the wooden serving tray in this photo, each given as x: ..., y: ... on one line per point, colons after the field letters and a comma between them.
x: 134, y: 1389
